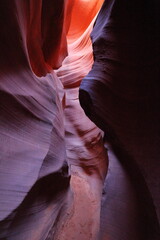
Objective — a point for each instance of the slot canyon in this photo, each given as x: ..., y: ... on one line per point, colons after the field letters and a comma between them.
x: 79, y: 120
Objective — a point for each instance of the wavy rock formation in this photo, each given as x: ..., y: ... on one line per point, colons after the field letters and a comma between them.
x: 86, y: 154
x: 121, y: 95
x: 34, y: 180
x: 54, y: 158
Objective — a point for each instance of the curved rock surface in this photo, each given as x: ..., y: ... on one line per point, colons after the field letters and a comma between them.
x: 121, y: 95
x: 43, y: 129
x: 34, y: 180
x: 86, y: 154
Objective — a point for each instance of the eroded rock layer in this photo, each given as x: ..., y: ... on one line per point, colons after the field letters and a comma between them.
x: 121, y: 95
x: 86, y: 155
x: 44, y: 131
x: 34, y: 178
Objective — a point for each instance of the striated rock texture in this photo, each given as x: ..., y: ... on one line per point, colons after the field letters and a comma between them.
x: 121, y: 95
x: 44, y: 131
x: 34, y: 180
x: 86, y: 155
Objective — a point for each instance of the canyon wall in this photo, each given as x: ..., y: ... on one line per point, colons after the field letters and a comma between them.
x: 121, y: 95
x: 66, y: 173
x: 34, y: 179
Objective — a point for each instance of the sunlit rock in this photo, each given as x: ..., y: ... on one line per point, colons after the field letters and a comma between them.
x: 34, y: 181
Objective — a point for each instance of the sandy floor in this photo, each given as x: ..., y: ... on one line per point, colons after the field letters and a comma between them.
x: 83, y: 218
